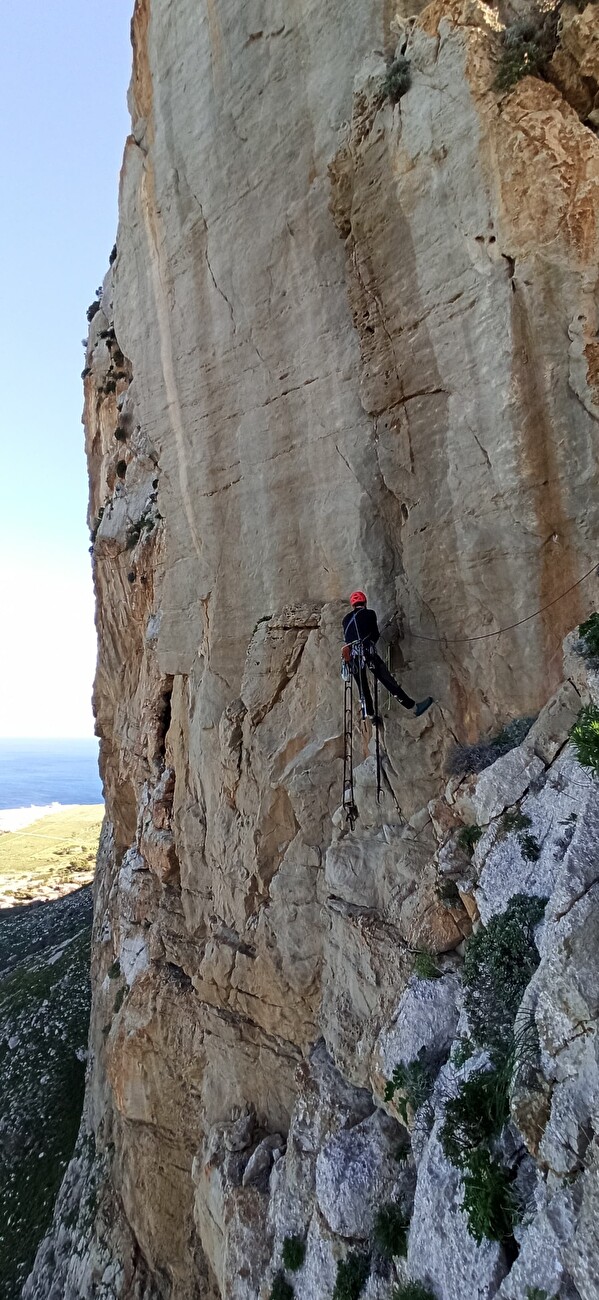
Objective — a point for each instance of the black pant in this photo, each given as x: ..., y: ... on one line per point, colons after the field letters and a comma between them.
x: 379, y: 670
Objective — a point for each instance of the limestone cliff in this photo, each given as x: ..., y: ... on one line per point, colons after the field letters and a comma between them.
x: 343, y: 341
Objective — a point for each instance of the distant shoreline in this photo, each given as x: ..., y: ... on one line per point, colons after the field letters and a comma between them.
x: 15, y: 819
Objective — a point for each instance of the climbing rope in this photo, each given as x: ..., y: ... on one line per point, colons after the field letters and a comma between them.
x: 357, y: 659
x: 483, y: 636
x: 377, y: 741
x: 360, y: 659
x: 349, y: 803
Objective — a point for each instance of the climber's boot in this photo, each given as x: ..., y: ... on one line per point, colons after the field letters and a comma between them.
x: 422, y: 705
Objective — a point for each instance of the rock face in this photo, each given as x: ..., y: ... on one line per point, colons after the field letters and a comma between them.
x: 343, y: 341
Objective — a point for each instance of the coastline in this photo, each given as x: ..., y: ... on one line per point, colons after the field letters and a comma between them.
x: 47, y: 851
x: 15, y: 819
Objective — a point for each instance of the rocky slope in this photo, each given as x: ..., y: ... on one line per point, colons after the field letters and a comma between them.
x: 44, y: 1017
x: 342, y: 340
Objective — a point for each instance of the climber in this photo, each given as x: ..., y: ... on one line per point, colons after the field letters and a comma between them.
x: 361, y: 632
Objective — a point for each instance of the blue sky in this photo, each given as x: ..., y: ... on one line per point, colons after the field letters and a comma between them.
x: 64, y: 71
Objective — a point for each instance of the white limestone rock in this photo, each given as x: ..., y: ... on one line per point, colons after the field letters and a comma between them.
x: 552, y: 813
x: 551, y: 729
x: 423, y: 1025
x: 356, y: 1172
x: 263, y: 1157
x: 500, y: 786
x: 134, y: 956
x: 542, y: 1246
x: 441, y: 1252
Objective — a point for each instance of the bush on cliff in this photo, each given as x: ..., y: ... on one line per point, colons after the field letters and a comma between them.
x: 527, y: 45
x: 397, y: 80
x: 281, y: 1289
x: 425, y: 966
x: 293, y: 1253
x: 514, y: 820
x: 352, y: 1275
x: 465, y: 759
x: 391, y: 1230
x: 588, y: 645
x: 499, y: 962
x: 489, y: 1201
x: 468, y: 838
x: 530, y: 847
x: 414, y: 1081
x: 476, y: 1115
x: 585, y: 737
x: 412, y: 1291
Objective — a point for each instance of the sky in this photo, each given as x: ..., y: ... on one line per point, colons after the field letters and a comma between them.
x: 64, y: 71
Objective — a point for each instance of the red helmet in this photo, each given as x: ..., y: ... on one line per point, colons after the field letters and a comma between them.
x: 357, y: 598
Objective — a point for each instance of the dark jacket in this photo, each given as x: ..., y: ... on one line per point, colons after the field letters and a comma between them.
x: 361, y: 625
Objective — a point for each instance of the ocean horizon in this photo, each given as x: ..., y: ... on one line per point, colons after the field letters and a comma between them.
x: 39, y: 773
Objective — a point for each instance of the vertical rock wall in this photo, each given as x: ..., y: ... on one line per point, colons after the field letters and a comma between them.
x: 342, y: 343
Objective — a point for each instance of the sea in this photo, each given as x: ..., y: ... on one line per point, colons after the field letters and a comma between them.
x: 40, y: 774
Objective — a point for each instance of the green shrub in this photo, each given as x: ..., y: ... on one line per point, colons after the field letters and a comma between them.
x: 414, y: 1081
x: 462, y: 1052
x: 518, y: 60
x: 537, y: 1293
x: 530, y: 847
x: 589, y: 638
x: 352, y: 1275
x: 489, y: 1201
x: 475, y: 758
x: 448, y: 892
x: 425, y: 966
x: 528, y: 44
x: 517, y: 821
x: 281, y: 1289
x: 412, y: 1291
x: 476, y: 1115
x: 468, y: 838
x: 398, y: 79
x: 499, y: 962
x: 585, y: 737
x: 514, y: 820
x: 114, y: 970
x: 293, y: 1253
x: 391, y: 1230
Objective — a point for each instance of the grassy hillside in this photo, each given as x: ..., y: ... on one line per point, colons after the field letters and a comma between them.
x: 50, y: 857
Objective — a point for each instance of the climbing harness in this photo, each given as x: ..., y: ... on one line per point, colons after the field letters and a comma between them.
x: 354, y: 658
